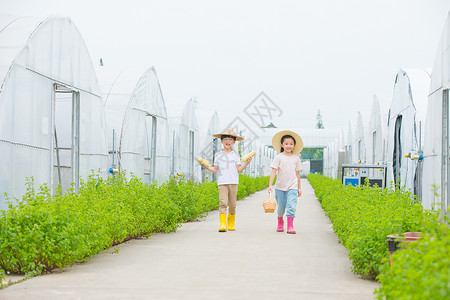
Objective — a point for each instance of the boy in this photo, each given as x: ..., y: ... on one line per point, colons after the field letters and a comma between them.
x: 228, y: 165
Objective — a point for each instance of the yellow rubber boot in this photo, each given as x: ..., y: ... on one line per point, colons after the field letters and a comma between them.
x: 223, y: 223
x: 231, y: 219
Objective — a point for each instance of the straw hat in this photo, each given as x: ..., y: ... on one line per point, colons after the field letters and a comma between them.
x: 229, y: 131
x: 276, y: 141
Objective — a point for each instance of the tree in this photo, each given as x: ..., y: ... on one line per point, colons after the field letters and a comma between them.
x: 319, y: 124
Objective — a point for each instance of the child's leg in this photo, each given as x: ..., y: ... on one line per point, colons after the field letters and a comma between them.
x: 223, y: 198
x: 223, y: 203
x: 232, y: 197
x: 280, y: 196
x: 291, y: 203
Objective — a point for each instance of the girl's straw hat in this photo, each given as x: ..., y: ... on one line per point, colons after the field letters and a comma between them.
x: 229, y: 131
x: 276, y: 141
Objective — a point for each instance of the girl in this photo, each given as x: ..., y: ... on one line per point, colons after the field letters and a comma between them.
x: 287, y: 164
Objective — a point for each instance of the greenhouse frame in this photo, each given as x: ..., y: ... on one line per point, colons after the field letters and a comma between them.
x: 376, y: 136
x: 138, y: 129
x: 184, y: 141
x: 436, y: 169
x: 52, y: 126
x: 209, y: 124
x: 405, y: 115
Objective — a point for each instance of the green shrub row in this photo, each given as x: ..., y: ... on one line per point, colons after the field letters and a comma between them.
x: 42, y: 232
x: 248, y: 185
x: 363, y: 216
x: 419, y: 271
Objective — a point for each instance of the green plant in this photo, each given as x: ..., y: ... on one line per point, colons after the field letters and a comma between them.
x: 2, y: 278
x: 363, y: 216
x: 41, y: 231
x: 420, y: 271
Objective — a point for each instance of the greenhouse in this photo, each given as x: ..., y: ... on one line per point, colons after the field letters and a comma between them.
x: 138, y: 132
x: 51, y: 112
x: 436, y: 171
x: 358, y: 142
x: 407, y: 110
x: 376, y: 138
x: 184, y: 141
x: 348, y: 145
x: 209, y: 124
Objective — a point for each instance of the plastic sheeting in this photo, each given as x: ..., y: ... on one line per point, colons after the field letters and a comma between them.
x: 209, y: 124
x: 358, y: 142
x: 185, y: 142
x: 406, y: 111
x: 348, y: 145
x: 376, y: 136
x: 435, y: 188
x: 35, y: 55
x: 136, y: 112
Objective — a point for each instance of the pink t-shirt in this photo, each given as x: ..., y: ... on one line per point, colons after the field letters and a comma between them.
x: 287, y: 166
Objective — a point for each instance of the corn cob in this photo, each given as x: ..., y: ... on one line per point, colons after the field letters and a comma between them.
x: 246, y: 156
x: 201, y: 160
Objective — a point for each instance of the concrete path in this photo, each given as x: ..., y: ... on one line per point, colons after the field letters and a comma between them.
x: 197, y: 262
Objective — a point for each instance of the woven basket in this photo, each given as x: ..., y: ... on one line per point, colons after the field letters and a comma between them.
x: 269, y: 205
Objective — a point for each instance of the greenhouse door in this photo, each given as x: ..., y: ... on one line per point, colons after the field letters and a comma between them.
x: 445, y: 151
x: 397, y: 155
x: 191, y: 153
x: 66, y: 138
x: 150, y: 149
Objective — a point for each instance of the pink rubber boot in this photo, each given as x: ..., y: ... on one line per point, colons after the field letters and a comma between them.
x: 290, y: 227
x: 280, y: 227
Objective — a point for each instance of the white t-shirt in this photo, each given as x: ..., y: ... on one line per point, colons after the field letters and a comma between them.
x: 287, y: 166
x: 227, y: 173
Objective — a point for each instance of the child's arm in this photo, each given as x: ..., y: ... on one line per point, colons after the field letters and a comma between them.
x: 211, y: 169
x: 242, y: 168
x: 299, y: 185
x: 272, y: 177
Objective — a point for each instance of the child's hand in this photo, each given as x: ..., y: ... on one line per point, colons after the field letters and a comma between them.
x: 269, y: 189
x: 203, y: 165
x: 249, y: 159
x: 299, y: 193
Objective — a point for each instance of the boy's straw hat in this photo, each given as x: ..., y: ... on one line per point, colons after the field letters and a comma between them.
x: 276, y: 141
x: 229, y: 131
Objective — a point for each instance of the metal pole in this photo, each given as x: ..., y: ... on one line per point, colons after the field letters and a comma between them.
x: 154, y: 124
x: 52, y: 142
x: 113, y: 165
x: 57, y: 159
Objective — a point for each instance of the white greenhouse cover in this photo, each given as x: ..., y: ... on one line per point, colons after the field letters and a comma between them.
x: 376, y: 136
x: 184, y: 131
x: 359, y: 143
x: 35, y: 56
x: 136, y: 113
x: 407, y: 110
x: 348, y: 145
x: 435, y: 164
x: 331, y: 158
x: 209, y: 125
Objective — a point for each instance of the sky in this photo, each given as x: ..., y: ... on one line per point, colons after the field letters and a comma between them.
x: 327, y: 55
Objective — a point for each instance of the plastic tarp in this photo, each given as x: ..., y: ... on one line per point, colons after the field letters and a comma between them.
x: 136, y: 113
x: 434, y: 162
x: 376, y: 136
x: 358, y: 142
x: 36, y: 54
x: 407, y: 110
x: 348, y: 145
x: 331, y: 159
x: 185, y: 140
x: 209, y: 125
